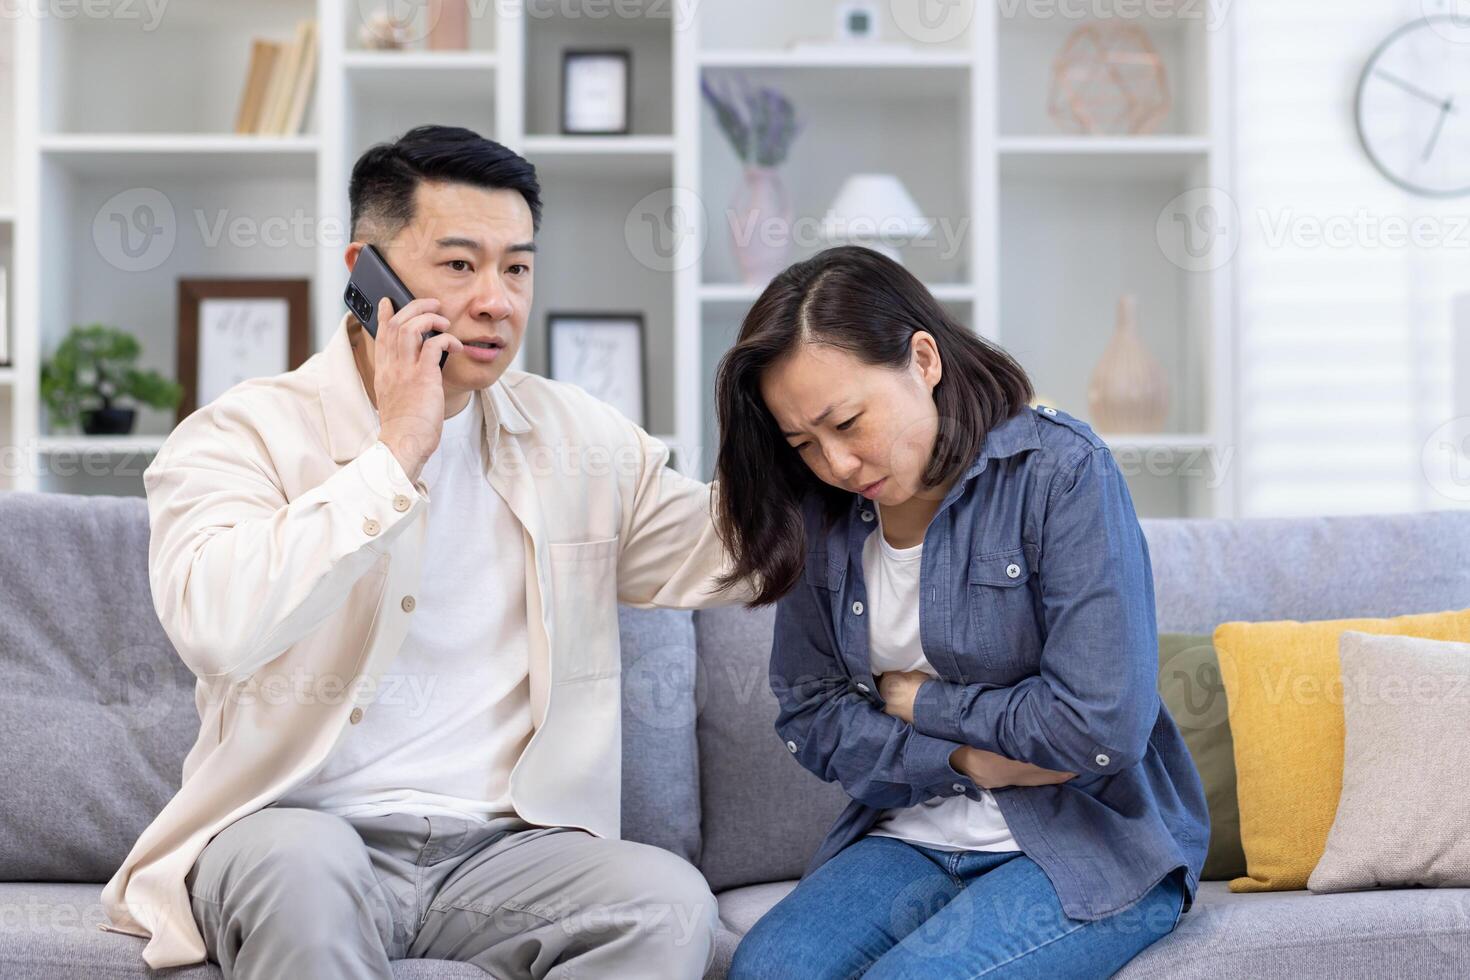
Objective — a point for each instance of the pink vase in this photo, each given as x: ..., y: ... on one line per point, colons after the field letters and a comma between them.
x: 449, y: 25
x: 760, y: 225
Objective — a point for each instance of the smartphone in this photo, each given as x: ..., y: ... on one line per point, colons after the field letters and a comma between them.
x: 372, y: 279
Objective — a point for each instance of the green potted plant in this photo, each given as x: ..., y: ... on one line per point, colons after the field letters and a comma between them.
x: 93, y: 366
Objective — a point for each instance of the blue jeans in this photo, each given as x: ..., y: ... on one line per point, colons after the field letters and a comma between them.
x: 885, y: 908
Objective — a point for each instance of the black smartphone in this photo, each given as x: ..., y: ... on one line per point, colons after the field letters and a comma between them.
x: 372, y: 279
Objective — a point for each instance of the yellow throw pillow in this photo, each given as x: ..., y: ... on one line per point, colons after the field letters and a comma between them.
x: 1283, y: 685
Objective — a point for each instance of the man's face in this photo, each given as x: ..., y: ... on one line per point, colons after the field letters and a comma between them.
x: 471, y: 249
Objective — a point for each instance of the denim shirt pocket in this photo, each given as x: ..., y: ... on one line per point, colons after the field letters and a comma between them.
x: 1002, y: 615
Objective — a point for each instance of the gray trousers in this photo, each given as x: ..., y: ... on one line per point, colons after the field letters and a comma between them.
x: 295, y: 892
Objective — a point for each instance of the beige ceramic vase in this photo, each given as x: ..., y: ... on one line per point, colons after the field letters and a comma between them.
x: 1129, y: 391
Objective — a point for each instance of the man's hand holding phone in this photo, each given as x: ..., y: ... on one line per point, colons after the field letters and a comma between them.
x: 407, y: 381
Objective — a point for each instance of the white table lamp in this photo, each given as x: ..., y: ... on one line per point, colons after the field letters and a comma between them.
x: 877, y: 211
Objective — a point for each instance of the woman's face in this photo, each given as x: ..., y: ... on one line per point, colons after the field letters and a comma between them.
x: 860, y: 427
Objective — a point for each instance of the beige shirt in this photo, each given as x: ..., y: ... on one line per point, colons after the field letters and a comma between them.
x: 284, y: 557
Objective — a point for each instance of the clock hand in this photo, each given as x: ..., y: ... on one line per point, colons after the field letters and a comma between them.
x: 1413, y: 89
x: 1444, y: 112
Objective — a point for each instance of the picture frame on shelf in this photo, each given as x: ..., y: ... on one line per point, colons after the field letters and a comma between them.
x: 596, y: 92
x: 604, y: 354
x: 231, y: 330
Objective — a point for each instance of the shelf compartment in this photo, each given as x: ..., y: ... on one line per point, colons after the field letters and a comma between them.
x: 853, y: 121
x: 644, y: 30
x: 199, y: 50
x: 1028, y: 39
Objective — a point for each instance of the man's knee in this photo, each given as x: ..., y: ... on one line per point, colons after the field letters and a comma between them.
x: 674, y: 915
x: 278, y: 861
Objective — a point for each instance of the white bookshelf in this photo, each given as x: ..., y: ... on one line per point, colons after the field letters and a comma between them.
x: 1053, y: 226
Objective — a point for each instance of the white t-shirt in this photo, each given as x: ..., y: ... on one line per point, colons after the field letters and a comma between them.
x: 453, y: 710
x: 952, y: 822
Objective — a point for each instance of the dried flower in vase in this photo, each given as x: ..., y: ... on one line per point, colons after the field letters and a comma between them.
x: 760, y: 123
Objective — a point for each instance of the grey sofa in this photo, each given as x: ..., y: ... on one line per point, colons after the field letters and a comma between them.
x: 96, y: 714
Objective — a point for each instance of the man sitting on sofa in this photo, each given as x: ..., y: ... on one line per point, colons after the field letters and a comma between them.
x: 472, y: 531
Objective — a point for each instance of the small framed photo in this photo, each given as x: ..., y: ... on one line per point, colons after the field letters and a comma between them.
x: 231, y: 330
x: 595, y: 92
x: 602, y: 353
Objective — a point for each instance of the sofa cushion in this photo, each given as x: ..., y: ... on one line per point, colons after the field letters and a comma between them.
x: 96, y: 709
x: 1416, y: 932
x: 1403, y: 813
x: 660, y: 751
x: 1190, y: 685
x: 1284, y: 686
x: 763, y: 815
x: 50, y: 931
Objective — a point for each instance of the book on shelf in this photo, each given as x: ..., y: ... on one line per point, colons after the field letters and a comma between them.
x: 278, y: 84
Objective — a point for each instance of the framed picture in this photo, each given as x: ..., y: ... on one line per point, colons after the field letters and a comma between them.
x: 603, y: 354
x: 595, y: 92
x: 231, y: 330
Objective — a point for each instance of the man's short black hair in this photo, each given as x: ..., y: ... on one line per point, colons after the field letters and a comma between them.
x: 385, y: 177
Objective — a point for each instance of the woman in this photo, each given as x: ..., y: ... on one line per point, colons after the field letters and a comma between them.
x: 964, y: 639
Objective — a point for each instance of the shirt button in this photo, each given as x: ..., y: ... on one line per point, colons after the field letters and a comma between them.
x: 1049, y: 411
x: 867, y: 515
x: 356, y: 716
x: 1102, y: 759
x: 959, y: 787
x: 863, y: 688
x: 370, y: 526
x: 408, y: 603
x: 857, y: 608
x: 791, y: 746
x: 1012, y: 570
x: 400, y: 503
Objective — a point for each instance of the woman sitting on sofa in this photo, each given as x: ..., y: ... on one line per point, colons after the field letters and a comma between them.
x: 964, y: 639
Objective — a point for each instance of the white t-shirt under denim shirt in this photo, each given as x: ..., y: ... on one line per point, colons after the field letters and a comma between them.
x: 952, y: 822
x: 453, y: 709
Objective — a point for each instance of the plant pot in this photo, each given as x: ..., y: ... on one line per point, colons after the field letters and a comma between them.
x: 108, y: 421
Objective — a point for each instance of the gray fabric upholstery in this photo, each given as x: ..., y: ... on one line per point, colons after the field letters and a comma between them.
x: 1419, y: 932
x: 1211, y: 571
x: 660, y: 754
x: 763, y: 815
x: 96, y: 709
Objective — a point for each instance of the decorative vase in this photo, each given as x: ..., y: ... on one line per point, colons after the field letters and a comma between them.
x: 449, y: 25
x: 760, y: 225
x: 108, y: 421
x: 1129, y: 391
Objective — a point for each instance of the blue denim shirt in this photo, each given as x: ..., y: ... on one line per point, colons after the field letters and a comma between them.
x: 1037, y: 612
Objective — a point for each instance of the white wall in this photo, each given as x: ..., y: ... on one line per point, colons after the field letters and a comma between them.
x: 1345, y: 330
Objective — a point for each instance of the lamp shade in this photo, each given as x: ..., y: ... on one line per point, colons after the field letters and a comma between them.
x: 875, y: 210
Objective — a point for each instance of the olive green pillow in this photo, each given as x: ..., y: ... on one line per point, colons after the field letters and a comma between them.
x: 1192, y: 690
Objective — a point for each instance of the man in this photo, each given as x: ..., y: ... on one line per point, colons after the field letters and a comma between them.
x: 469, y: 532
